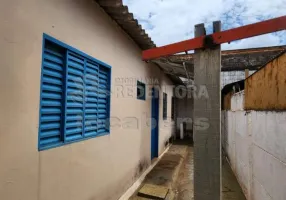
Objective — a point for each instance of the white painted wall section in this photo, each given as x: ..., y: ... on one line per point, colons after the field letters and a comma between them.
x: 255, y: 143
x: 237, y: 101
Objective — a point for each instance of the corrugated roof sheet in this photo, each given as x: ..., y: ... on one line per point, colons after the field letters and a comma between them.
x: 231, y: 60
x: 119, y: 13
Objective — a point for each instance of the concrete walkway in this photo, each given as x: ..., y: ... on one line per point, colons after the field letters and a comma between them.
x: 174, y: 173
x: 165, y: 173
x: 231, y: 190
x: 185, y: 182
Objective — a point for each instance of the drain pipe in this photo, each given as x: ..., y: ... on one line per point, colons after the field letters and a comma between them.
x: 187, y: 74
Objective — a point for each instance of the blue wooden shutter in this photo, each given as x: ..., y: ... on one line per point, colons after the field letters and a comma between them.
x: 91, y: 103
x: 103, y: 104
x: 74, y: 120
x: 52, y: 95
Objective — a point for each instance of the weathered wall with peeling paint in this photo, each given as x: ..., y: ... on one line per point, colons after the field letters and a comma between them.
x: 254, y: 142
x: 99, y: 168
x: 266, y: 89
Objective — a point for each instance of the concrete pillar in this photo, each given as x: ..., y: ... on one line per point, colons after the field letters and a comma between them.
x: 207, y: 109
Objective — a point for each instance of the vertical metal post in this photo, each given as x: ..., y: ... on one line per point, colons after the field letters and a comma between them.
x: 246, y: 73
x: 207, y: 116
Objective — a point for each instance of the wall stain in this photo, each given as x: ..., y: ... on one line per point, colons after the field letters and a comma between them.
x: 264, y: 90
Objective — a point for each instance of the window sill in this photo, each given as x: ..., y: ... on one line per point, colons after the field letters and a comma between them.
x: 71, y: 142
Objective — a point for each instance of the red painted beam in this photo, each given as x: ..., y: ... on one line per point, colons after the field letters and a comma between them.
x: 251, y: 30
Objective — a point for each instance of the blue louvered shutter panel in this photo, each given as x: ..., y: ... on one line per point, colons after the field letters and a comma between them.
x: 52, y: 83
x: 103, y: 93
x: 91, y: 103
x: 75, y: 99
x: 74, y: 118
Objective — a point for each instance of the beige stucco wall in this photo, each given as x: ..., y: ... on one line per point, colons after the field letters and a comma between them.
x: 100, y: 168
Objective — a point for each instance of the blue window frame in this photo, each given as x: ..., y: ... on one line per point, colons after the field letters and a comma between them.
x: 75, y: 95
x: 141, y: 90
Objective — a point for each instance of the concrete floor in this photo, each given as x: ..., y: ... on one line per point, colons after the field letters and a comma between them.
x: 185, y: 182
x: 165, y: 173
x: 184, y: 185
x: 231, y: 190
x: 175, y: 171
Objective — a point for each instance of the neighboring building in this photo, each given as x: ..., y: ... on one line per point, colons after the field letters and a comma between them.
x: 227, y: 93
x: 60, y: 61
x: 266, y: 89
x: 253, y: 130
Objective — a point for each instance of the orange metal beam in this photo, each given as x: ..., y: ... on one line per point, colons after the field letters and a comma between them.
x: 260, y: 28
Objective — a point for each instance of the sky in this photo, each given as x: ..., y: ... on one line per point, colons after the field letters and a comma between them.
x: 169, y: 21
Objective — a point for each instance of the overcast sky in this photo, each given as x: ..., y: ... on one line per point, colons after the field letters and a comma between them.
x: 169, y: 21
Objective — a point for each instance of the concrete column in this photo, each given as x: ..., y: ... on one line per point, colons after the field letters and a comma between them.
x: 207, y: 108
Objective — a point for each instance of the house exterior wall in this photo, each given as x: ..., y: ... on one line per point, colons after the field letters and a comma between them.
x: 185, y: 111
x: 265, y: 89
x: 254, y: 142
x: 98, y: 168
